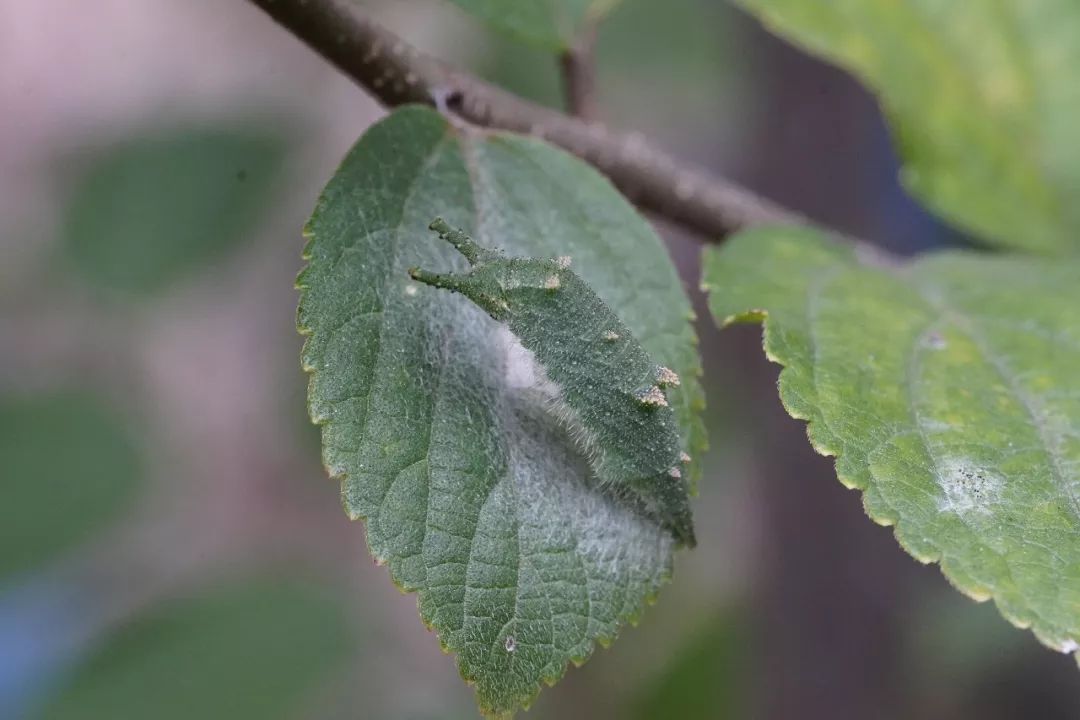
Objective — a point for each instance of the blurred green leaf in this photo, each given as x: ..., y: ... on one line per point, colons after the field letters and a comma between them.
x: 68, y: 468
x: 647, y: 44
x: 522, y: 69
x: 252, y: 652
x: 698, y: 47
x: 983, y: 101
x: 157, y: 206
x: 954, y: 643
x: 707, y: 678
x: 474, y: 496
x: 946, y: 389
x: 550, y: 24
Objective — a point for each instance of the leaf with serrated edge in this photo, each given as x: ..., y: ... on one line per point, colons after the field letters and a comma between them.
x: 947, y: 391
x: 982, y: 97
x: 474, y: 498
x: 549, y: 24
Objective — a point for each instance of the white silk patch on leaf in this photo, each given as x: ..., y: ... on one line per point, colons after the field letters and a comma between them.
x: 968, y: 488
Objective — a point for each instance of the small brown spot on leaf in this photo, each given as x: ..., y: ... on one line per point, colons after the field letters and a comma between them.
x: 652, y: 397
x: 666, y: 377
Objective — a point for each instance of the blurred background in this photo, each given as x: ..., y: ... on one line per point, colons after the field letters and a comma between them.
x: 170, y: 546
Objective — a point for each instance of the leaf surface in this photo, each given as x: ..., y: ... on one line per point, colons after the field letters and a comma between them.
x: 474, y: 496
x: 947, y: 390
x: 550, y: 24
x: 982, y: 100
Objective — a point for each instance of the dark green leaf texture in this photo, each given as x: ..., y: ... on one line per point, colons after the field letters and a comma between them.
x: 551, y: 24
x: 474, y: 496
x: 947, y: 389
x: 250, y: 652
x: 983, y: 100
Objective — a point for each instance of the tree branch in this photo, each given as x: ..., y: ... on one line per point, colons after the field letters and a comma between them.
x: 396, y: 73
x: 578, y: 69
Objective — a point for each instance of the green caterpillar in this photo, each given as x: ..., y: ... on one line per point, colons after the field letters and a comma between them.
x: 610, y: 394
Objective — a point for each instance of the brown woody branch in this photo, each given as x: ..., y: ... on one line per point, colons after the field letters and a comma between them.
x: 578, y: 69
x: 396, y: 73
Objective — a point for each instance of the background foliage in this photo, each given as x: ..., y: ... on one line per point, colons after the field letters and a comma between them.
x: 980, y: 101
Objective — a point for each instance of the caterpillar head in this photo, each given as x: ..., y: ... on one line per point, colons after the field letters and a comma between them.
x: 491, y: 275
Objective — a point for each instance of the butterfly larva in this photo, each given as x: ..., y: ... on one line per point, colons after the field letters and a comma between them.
x: 610, y: 392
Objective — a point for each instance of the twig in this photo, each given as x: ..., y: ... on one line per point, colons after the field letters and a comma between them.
x: 578, y: 68
x: 396, y: 73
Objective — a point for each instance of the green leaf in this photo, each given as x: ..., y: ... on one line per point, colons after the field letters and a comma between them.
x: 69, y: 468
x: 250, y: 652
x: 982, y: 98
x: 149, y: 210
x: 707, y: 678
x: 475, y: 496
x: 550, y: 24
x: 947, y: 390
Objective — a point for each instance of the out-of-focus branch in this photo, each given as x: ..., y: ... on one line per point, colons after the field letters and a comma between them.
x: 578, y: 68
x: 396, y: 73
